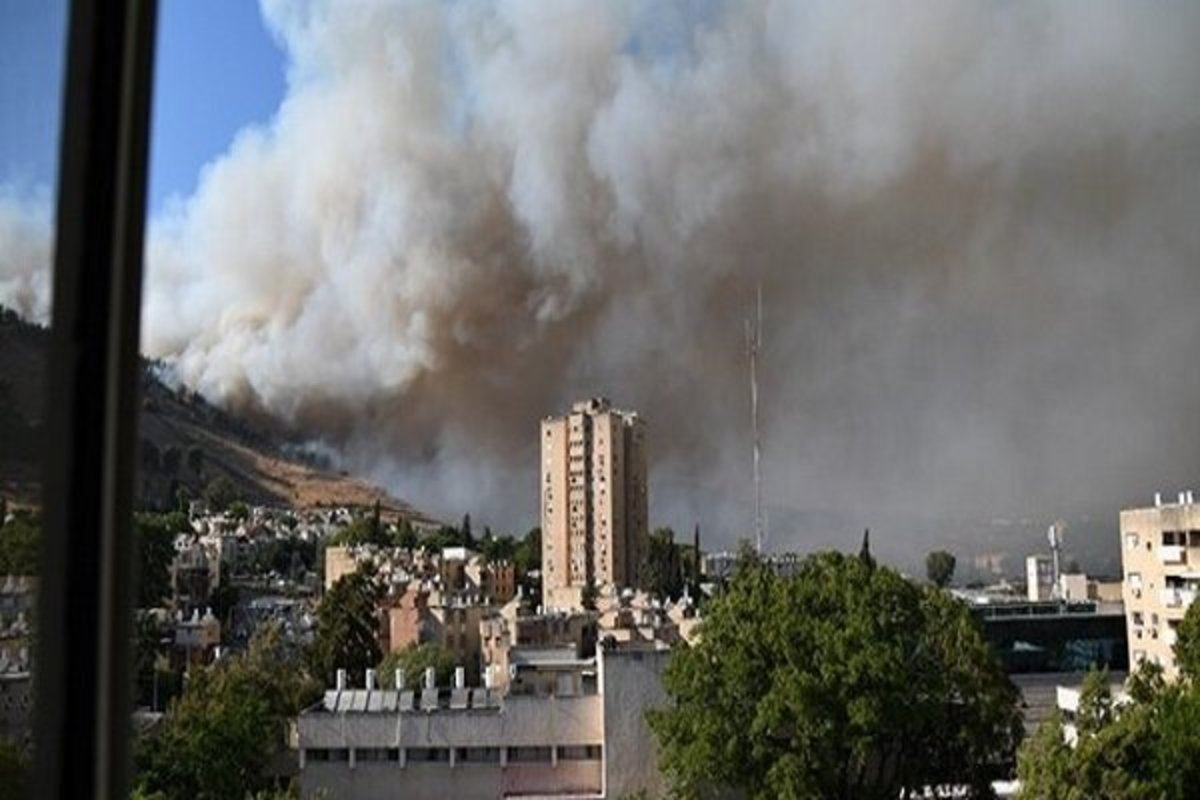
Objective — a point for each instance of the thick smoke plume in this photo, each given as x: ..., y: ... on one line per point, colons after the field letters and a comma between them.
x: 25, y: 245
x: 975, y: 225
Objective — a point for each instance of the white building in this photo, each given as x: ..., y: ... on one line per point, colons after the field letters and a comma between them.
x: 1039, y: 578
x: 589, y: 739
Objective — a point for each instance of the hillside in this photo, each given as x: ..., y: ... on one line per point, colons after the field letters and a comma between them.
x: 185, y: 441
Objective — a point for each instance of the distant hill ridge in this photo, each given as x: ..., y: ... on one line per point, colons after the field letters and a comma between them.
x: 185, y: 442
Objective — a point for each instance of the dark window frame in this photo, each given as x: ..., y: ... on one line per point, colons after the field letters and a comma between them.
x: 82, y: 726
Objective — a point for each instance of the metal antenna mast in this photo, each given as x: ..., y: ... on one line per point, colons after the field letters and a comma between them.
x: 753, y: 346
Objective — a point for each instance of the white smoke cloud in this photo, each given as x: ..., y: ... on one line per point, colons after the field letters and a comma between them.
x: 25, y: 247
x: 974, y: 223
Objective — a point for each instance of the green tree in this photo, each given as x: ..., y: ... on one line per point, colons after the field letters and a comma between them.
x: 939, y: 568
x: 662, y: 574
x: 527, y: 562
x: 588, y: 595
x: 1187, y: 644
x: 497, y: 548
x: 20, y: 541
x: 844, y: 681
x: 1044, y: 764
x: 414, y: 660
x: 405, y: 535
x: 360, y: 531
x: 222, y: 600
x: 347, y: 634
x: 464, y: 532
x: 156, y: 552
x: 220, y: 493
x: 1147, y: 748
x: 15, y: 771
x: 219, y: 737
x: 527, y: 557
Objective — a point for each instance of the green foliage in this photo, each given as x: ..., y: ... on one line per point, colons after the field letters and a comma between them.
x: 588, y: 595
x: 405, y: 535
x: 445, y: 536
x: 286, y: 555
x: 222, y: 600
x: 939, y: 568
x: 1187, y: 644
x: 662, y: 573
x: 156, y: 551
x: 347, y: 629
x: 15, y: 771
x: 219, y: 737
x: 497, y: 548
x: 844, y: 681
x: 414, y: 660
x: 527, y: 562
x: 464, y: 532
x: 20, y: 542
x: 239, y: 511
x: 527, y: 556
x: 220, y: 493
x: 1146, y: 748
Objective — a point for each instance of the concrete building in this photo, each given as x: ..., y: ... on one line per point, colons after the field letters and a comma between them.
x: 1039, y: 578
x: 471, y: 743
x: 593, y: 501
x: 339, y: 562
x: 194, y: 573
x: 516, y: 640
x: 421, y: 616
x: 1160, y: 559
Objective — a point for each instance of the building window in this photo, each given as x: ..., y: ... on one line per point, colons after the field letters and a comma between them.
x: 429, y: 755
x: 530, y: 755
x: 365, y: 754
x: 477, y: 755
x: 1131, y: 541
x: 579, y: 752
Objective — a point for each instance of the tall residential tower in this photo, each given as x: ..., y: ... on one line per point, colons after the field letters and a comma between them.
x: 593, y: 501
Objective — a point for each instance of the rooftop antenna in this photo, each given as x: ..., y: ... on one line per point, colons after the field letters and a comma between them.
x: 753, y: 346
x: 1055, y: 537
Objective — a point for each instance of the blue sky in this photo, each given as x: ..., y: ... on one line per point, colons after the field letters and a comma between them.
x: 217, y: 69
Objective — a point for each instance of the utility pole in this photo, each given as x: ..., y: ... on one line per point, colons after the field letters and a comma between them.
x: 753, y: 346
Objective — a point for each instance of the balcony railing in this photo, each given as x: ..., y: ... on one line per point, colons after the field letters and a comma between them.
x: 1178, y: 598
x: 1173, y: 554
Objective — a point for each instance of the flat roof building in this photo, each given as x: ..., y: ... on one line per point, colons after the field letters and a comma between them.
x: 588, y: 738
x: 593, y: 497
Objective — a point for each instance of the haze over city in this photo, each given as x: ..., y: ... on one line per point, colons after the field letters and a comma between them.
x: 974, y: 225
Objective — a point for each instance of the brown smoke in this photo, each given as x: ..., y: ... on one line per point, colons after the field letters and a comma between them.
x: 975, y: 225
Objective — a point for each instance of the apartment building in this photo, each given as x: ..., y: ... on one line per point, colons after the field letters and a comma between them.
x: 1160, y: 557
x: 593, y: 501
x: 428, y: 743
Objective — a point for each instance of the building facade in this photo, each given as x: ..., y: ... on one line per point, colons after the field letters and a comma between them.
x: 1039, y: 578
x: 430, y: 743
x: 593, y: 501
x: 1160, y: 559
